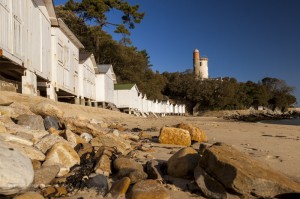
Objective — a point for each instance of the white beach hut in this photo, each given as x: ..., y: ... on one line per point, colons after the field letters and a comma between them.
x: 126, y: 97
x: 65, y: 61
x: 105, y: 80
x: 25, y: 42
x: 86, y: 77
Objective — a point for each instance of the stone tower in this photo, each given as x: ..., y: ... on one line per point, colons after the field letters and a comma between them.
x: 200, y: 65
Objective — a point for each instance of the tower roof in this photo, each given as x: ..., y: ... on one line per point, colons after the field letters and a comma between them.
x: 196, y: 50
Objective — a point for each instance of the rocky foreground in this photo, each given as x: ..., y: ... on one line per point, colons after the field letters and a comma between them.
x: 45, y: 154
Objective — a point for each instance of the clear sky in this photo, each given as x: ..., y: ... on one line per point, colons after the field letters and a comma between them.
x: 248, y: 39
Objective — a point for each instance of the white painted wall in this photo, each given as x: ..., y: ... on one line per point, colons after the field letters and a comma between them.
x: 105, y: 87
x: 126, y: 98
x: 25, y: 34
x: 87, y: 79
x: 65, y: 61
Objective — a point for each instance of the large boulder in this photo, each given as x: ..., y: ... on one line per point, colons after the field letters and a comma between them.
x: 16, y: 170
x: 149, y: 189
x: 45, y: 108
x: 196, y: 133
x: 170, y: 135
x: 48, y: 141
x: 243, y: 175
x: 35, y: 122
x: 183, y: 163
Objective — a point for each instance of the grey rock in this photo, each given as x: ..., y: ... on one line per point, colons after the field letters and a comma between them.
x: 99, y: 182
x: 15, y: 170
x: 50, y: 121
x: 35, y: 122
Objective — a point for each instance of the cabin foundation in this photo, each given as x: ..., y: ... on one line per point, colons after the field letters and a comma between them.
x: 29, y: 83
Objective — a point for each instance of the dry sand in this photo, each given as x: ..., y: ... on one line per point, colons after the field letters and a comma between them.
x: 276, y: 145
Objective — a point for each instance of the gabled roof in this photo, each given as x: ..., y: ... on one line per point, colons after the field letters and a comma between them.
x: 69, y: 33
x: 104, y: 68
x: 83, y: 56
x: 124, y: 86
x: 51, y: 12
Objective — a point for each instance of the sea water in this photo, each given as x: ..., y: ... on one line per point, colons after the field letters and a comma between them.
x: 292, y: 121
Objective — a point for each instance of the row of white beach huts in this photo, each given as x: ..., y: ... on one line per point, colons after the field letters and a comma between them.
x: 41, y: 56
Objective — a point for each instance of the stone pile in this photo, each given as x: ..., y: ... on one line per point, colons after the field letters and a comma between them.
x: 44, y: 154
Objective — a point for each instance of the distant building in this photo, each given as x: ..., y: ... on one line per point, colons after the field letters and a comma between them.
x: 200, y: 65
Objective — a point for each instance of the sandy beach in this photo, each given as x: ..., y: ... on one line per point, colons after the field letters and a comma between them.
x: 274, y: 144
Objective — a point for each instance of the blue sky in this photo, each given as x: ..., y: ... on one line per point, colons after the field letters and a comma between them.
x: 248, y: 40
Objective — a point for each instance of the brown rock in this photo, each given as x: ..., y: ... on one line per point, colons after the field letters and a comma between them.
x: 48, y: 141
x: 149, y: 189
x: 83, y: 148
x: 29, y: 195
x: 170, y: 135
x: 137, y: 175
x: 45, y: 108
x: 50, y: 192
x: 153, y: 171
x: 62, y: 154
x: 110, y: 140
x: 45, y: 175
x: 120, y: 187
x: 118, y: 127
x: 208, y: 185
x: 36, y: 164
x: 196, y: 133
x: 244, y: 175
x: 183, y: 163
x: 54, y: 131
x: 103, y: 165
x: 73, y: 138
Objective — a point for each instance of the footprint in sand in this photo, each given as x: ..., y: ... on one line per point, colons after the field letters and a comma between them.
x: 272, y: 157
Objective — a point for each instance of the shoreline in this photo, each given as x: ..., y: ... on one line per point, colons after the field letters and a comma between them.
x: 276, y: 145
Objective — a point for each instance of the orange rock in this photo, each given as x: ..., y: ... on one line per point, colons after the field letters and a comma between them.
x: 196, y: 133
x: 170, y: 135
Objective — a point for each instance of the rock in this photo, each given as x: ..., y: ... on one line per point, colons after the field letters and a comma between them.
x: 54, y: 192
x: 29, y: 195
x: 81, y: 126
x: 103, y: 160
x: 202, y: 148
x: 143, y: 135
x: 51, y: 122
x: 110, y: 140
x: 183, y: 163
x: 48, y: 141
x: 137, y: 175
x: 32, y: 135
x: 130, y: 168
x: 15, y: 170
x: 126, y: 165
x: 45, y: 175
x: 120, y: 187
x: 36, y: 164
x: 196, y: 133
x: 182, y: 184
x: 208, y: 185
x: 149, y: 189
x: 54, y: 131
x: 2, y: 128
x: 152, y: 168
x: 7, y: 111
x: 170, y: 135
x: 62, y: 154
x: 117, y: 127
x: 29, y: 151
x: 73, y: 138
x: 242, y: 174
x: 99, y: 182
x: 103, y: 165
x: 35, y: 122
x: 83, y: 148
x: 45, y: 108
x: 87, y: 137
x: 12, y: 138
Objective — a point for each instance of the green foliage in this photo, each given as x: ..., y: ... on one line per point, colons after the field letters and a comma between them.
x: 228, y: 93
